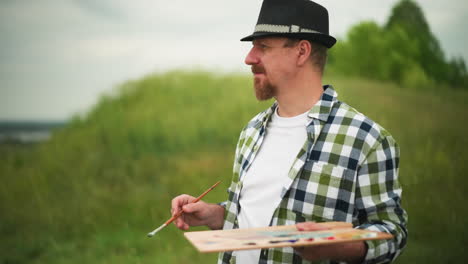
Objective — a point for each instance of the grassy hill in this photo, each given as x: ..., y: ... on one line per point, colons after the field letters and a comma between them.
x: 91, y: 193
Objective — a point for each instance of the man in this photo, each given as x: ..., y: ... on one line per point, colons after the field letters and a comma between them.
x: 309, y: 158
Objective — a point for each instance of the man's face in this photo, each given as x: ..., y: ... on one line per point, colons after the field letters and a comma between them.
x: 270, y: 61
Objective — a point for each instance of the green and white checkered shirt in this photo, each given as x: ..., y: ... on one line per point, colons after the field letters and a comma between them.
x: 347, y: 170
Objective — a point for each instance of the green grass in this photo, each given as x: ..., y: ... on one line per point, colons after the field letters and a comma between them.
x: 92, y: 192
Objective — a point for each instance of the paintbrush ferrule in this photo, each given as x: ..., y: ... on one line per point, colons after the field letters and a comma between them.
x: 150, y: 234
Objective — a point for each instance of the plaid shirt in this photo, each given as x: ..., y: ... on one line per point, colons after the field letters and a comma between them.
x: 347, y: 170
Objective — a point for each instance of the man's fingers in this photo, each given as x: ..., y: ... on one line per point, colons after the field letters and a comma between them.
x: 191, y: 211
x: 193, y: 207
x: 176, y: 205
x: 179, y: 201
x: 179, y: 222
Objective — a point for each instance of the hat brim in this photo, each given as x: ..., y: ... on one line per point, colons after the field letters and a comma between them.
x: 324, y: 39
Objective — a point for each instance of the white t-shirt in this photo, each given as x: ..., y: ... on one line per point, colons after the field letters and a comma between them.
x: 263, y: 182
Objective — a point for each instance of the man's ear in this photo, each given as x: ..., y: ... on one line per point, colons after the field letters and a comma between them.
x: 304, y: 50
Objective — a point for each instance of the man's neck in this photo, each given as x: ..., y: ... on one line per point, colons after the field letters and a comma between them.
x: 299, y: 95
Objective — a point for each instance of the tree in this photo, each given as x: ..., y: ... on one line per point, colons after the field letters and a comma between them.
x: 409, y: 16
x: 404, y: 51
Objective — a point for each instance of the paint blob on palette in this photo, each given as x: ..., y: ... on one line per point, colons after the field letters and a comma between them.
x: 278, y: 236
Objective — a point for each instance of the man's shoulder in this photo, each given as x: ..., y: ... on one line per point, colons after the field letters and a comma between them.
x: 347, y: 118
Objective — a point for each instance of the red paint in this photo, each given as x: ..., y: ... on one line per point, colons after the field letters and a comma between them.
x: 331, y: 238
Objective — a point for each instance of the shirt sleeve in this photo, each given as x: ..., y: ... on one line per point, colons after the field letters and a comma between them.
x: 378, y: 201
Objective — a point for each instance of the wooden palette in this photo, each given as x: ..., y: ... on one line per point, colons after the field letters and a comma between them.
x: 278, y: 236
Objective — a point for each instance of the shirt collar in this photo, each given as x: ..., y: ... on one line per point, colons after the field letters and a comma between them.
x: 321, y: 109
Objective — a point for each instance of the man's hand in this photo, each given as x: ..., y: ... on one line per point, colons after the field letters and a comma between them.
x: 196, y: 214
x: 352, y: 252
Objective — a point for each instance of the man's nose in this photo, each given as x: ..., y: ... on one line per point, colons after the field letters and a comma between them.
x: 252, y: 57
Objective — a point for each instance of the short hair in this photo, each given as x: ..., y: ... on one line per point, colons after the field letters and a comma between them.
x: 319, y: 53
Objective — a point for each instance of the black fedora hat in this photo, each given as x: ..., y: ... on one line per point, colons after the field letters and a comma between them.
x: 301, y: 19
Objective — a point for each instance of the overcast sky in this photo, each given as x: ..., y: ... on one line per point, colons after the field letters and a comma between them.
x: 58, y: 56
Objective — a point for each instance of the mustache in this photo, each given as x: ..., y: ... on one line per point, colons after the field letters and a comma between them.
x: 257, y: 69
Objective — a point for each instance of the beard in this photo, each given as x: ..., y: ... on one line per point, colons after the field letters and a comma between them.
x: 264, y: 90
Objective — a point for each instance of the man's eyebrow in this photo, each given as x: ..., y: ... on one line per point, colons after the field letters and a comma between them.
x: 259, y: 42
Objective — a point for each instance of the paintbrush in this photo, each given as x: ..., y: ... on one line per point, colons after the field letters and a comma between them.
x: 174, y: 217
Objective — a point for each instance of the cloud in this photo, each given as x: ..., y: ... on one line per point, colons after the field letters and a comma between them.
x: 68, y: 52
x: 102, y: 8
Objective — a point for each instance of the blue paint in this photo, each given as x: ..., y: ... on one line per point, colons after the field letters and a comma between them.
x: 283, y: 241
